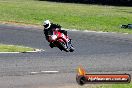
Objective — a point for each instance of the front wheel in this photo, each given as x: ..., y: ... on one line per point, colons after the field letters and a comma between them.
x: 71, y: 49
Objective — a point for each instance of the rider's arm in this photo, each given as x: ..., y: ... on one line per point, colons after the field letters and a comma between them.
x: 56, y: 26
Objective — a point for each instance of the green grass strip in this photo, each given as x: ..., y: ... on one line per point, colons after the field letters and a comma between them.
x: 14, y: 48
x: 115, y: 86
x: 72, y: 16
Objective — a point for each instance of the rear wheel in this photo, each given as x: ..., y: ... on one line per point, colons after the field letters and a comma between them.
x: 64, y: 46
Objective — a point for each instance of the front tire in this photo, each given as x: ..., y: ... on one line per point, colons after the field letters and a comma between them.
x: 71, y: 50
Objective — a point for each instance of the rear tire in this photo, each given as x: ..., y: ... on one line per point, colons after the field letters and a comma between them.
x: 64, y: 47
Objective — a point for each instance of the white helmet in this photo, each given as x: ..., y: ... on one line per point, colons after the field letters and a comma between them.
x: 46, y: 24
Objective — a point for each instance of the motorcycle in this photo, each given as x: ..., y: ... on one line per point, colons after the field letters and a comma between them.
x: 61, y: 41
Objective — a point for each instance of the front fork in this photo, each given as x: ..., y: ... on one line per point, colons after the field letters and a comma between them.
x: 69, y: 45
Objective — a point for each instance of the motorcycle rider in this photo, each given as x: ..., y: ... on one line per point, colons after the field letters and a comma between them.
x: 48, y: 30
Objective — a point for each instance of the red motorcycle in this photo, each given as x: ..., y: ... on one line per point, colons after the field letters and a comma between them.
x: 61, y: 41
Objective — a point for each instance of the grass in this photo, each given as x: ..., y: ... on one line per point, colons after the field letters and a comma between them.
x: 104, y: 86
x: 73, y: 16
x: 115, y: 86
x: 14, y: 48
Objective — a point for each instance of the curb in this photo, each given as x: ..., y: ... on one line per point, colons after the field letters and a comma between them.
x: 89, y: 31
x: 35, y: 51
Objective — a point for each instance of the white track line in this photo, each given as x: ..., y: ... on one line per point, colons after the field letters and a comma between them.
x: 47, y: 72
x: 99, y: 32
x: 9, y: 52
x: 36, y: 50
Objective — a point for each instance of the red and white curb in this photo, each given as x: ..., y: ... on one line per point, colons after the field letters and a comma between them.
x: 35, y: 51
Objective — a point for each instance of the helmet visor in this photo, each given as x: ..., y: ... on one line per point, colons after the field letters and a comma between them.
x: 46, y: 25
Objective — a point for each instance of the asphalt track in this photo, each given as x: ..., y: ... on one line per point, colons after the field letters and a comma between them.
x: 96, y: 52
